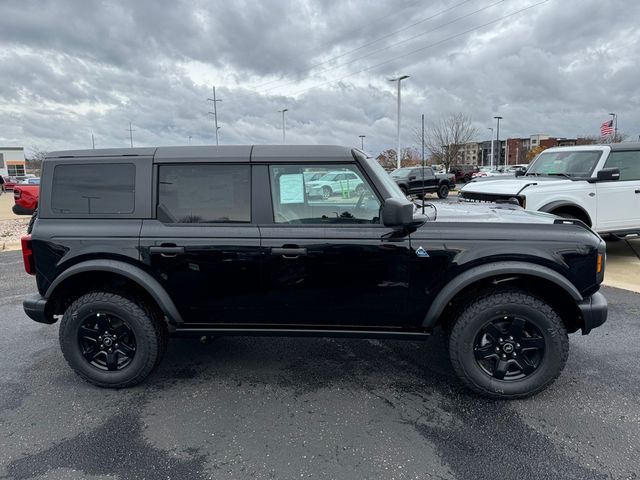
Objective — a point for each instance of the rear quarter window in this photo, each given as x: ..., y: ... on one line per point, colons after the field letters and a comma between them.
x: 93, y: 189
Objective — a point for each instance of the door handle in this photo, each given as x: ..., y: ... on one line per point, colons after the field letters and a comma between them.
x: 289, y: 252
x: 167, y: 251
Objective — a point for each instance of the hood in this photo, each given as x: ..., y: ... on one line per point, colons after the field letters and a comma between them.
x: 482, y: 212
x: 511, y: 186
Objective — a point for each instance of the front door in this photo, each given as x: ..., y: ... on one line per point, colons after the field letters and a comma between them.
x: 329, y: 260
x: 619, y: 201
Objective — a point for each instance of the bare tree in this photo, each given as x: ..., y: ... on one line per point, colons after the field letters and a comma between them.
x: 445, y: 139
x: 409, y: 158
x: 34, y: 161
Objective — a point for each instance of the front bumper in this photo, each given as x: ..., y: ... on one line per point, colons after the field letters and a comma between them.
x: 594, y: 312
x: 20, y: 210
x: 36, y: 309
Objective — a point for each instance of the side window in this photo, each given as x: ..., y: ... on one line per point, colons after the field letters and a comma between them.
x: 93, y: 189
x: 416, y: 172
x: 627, y: 162
x: 204, y: 193
x: 327, y: 194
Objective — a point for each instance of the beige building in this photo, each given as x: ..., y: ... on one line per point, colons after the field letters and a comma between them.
x: 12, y: 161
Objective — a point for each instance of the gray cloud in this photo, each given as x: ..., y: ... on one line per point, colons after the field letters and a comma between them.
x: 71, y: 67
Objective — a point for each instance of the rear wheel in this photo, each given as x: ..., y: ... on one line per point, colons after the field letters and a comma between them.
x: 111, y: 341
x: 508, y: 344
x: 443, y: 190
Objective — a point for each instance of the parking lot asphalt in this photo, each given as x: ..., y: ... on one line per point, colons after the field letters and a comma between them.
x: 285, y: 408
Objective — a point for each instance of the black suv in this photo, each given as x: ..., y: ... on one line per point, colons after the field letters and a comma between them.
x: 131, y: 246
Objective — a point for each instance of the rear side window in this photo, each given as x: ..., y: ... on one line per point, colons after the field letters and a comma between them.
x: 93, y: 189
x: 204, y: 193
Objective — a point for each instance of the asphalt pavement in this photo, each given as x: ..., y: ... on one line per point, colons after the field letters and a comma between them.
x: 285, y: 408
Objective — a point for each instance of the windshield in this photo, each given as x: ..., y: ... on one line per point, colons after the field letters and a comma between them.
x: 569, y: 163
x: 401, y: 172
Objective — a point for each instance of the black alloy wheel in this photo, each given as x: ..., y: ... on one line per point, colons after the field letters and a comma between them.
x: 507, y: 343
x: 111, y: 340
x: 509, y: 348
x: 106, y: 341
x: 443, y: 191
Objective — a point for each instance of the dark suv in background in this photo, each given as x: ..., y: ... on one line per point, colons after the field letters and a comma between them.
x: 131, y: 246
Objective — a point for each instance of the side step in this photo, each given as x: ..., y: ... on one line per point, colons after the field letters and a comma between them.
x: 202, y: 331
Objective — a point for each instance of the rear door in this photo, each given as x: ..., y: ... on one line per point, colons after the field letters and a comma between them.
x: 203, y: 245
x: 329, y: 260
x: 619, y: 201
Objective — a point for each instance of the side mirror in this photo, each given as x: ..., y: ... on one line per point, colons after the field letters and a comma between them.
x: 412, y: 177
x: 397, y: 213
x: 608, y: 174
x: 520, y: 173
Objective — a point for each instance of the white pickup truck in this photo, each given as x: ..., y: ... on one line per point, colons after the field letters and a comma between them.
x: 598, y: 184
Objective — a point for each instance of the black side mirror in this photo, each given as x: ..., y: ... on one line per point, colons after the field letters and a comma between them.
x: 397, y: 213
x: 412, y: 177
x: 520, y: 173
x: 608, y: 174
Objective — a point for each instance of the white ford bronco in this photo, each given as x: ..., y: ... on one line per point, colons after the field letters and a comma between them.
x: 598, y: 184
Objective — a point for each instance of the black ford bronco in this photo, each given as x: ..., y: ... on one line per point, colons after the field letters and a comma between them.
x: 132, y: 246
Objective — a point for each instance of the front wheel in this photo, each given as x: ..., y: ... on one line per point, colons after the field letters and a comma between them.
x: 443, y: 191
x: 111, y: 341
x: 508, y: 344
x: 326, y: 192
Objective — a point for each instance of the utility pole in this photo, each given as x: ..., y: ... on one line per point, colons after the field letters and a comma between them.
x: 398, y: 151
x: 189, y: 139
x: 498, y: 139
x: 423, y: 165
x: 491, y: 156
x: 362, y: 137
x: 93, y: 141
x: 131, y: 134
x: 284, y: 128
x: 215, y: 111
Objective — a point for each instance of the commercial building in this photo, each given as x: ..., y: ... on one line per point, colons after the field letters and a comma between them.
x: 12, y: 161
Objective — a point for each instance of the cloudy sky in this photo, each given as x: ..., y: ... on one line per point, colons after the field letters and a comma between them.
x: 72, y: 67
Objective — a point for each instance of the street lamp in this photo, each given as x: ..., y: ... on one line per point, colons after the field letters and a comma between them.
x: 283, y: 124
x: 362, y: 137
x: 399, y: 80
x: 491, y: 156
x: 615, y: 126
x: 498, y: 140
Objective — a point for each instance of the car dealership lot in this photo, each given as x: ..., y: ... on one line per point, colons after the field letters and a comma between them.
x: 244, y: 407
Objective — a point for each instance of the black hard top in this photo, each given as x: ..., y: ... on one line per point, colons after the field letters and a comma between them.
x: 232, y: 153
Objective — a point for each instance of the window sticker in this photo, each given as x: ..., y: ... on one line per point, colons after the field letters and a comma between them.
x: 291, y: 188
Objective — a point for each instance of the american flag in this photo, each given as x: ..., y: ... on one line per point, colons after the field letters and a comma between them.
x: 606, y: 128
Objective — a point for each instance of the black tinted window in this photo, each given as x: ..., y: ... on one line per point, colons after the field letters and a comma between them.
x: 204, y: 193
x: 93, y: 189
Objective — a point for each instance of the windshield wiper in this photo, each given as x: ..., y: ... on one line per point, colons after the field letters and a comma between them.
x: 557, y: 174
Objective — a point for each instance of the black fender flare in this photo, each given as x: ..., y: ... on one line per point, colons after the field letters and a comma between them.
x: 481, y: 272
x: 549, y: 207
x: 133, y: 273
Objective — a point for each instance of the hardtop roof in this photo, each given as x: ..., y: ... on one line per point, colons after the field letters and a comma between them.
x: 235, y: 153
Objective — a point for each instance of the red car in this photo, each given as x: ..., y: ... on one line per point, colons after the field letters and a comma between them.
x: 26, y: 198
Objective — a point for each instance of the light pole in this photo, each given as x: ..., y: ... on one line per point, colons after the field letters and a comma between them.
x: 215, y: 110
x: 498, y: 140
x: 283, y: 124
x: 399, y: 80
x: 491, y: 156
x: 362, y: 137
x: 615, y: 126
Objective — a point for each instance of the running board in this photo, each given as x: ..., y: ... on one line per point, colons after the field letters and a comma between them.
x: 199, y: 331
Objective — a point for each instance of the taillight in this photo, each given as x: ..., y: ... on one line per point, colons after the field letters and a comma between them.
x: 27, y: 255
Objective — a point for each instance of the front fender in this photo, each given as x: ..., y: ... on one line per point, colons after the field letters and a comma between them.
x: 493, y: 269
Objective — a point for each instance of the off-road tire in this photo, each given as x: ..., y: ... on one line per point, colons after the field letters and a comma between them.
x: 477, y: 313
x: 443, y: 190
x: 150, y: 337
